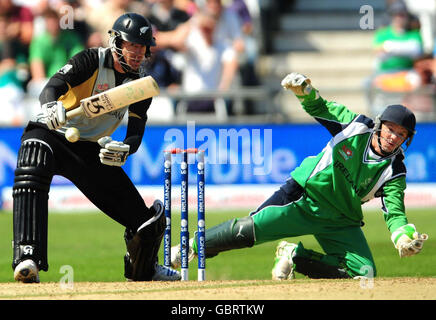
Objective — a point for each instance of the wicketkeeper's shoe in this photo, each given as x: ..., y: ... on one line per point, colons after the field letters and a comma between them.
x: 176, y: 255
x: 165, y: 274
x: 27, y: 272
x: 283, y: 268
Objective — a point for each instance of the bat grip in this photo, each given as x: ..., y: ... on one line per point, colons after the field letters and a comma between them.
x: 75, y: 112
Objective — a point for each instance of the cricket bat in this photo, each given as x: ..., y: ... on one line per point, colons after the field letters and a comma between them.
x: 115, y: 98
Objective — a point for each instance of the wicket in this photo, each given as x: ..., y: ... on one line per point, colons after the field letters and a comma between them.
x: 184, y: 224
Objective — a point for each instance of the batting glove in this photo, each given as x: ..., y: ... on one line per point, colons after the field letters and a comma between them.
x: 408, y: 241
x: 301, y: 86
x: 113, y: 153
x: 55, y: 114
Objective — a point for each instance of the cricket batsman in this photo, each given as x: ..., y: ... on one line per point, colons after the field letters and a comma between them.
x: 94, y: 162
x: 324, y: 195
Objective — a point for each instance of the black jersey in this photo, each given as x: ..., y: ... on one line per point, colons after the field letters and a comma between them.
x: 78, y: 79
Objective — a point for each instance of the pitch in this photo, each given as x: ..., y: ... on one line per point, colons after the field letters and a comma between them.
x: 85, y: 250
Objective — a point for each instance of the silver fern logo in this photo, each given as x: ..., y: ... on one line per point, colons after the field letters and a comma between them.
x: 143, y: 30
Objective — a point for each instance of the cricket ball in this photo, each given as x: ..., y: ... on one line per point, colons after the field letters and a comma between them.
x: 72, y: 134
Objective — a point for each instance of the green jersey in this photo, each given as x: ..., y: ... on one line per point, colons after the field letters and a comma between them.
x: 54, y: 53
x: 347, y: 172
x: 398, y: 59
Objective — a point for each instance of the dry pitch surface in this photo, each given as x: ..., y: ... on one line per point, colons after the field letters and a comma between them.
x: 375, y: 289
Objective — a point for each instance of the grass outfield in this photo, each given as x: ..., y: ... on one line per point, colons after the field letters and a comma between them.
x: 92, y: 244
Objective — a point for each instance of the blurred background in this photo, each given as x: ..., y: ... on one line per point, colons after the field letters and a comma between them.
x: 220, y: 80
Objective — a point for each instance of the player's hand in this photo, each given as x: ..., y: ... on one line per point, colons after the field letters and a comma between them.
x: 408, y: 241
x: 55, y: 113
x: 113, y: 153
x: 298, y: 83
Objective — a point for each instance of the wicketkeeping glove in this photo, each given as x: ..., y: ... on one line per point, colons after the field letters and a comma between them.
x: 301, y: 86
x: 113, y: 153
x: 407, y: 240
x: 55, y: 114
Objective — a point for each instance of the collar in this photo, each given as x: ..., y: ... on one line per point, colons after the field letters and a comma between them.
x: 109, y: 60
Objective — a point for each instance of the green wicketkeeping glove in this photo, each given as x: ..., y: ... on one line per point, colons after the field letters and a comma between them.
x: 408, y: 241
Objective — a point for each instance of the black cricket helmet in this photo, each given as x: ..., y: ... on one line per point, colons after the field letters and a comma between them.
x: 400, y: 115
x: 134, y: 28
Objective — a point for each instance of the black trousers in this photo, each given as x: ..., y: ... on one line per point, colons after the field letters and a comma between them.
x: 108, y: 187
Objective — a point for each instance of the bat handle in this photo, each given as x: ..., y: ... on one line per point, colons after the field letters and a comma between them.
x: 75, y: 112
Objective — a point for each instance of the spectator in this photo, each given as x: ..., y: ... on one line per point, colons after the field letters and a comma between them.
x: 100, y: 18
x: 425, y: 12
x: 189, y: 6
x: 398, y: 47
x: 165, y: 16
x: 89, y: 36
x: 11, y: 88
x: 434, y: 64
x: 248, y: 59
x: 20, y: 29
x: 50, y: 51
x: 210, y: 64
x: 228, y: 27
x: 403, y: 70
x: 161, y: 69
x: 20, y: 21
x: 167, y: 77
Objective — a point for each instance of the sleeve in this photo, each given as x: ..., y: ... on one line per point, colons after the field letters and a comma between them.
x: 136, y: 124
x: 393, y: 203
x: 53, y: 90
x: 77, y: 70
x: 334, y: 116
x: 36, y: 49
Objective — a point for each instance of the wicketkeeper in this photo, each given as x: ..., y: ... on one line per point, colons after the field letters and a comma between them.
x: 324, y: 195
x: 93, y: 163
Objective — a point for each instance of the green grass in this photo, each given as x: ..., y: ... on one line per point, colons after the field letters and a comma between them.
x: 92, y: 244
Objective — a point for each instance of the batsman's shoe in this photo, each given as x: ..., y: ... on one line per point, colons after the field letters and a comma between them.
x: 165, y: 274
x: 26, y: 272
x: 283, y: 268
x: 176, y: 255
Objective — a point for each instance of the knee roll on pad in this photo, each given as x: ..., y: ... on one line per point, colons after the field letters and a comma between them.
x: 232, y: 234
x: 30, y: 202
x: 142, y: 250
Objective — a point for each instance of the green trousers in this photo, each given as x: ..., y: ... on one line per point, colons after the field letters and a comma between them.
x: 341, y: 239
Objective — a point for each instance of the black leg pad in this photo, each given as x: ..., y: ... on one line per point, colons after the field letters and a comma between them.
x: 30, y: 203
x: 142, y: 250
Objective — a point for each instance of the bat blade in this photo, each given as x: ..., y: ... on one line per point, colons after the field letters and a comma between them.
x: 116, y: 98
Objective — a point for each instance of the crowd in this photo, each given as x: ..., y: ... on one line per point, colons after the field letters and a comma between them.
x: 405, y: 69
x: 201, y: 45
